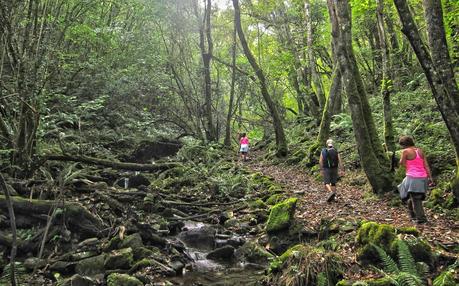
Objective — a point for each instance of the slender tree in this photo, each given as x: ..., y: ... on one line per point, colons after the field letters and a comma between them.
x: 227, y: 141
x: 374, y: 162
x: 386, y: 79
x: 437, y: 66
x: 281, y: 141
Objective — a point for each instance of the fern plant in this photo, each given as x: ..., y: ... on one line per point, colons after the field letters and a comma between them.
x: 20, y: 274
x: 407, y: 272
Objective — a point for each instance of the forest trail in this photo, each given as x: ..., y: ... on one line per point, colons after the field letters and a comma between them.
x: 352, y: 204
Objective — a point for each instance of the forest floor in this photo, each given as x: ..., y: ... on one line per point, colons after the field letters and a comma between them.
x: 353, y: 204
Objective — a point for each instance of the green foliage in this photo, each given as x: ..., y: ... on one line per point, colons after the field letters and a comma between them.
x: 407, y: 272
x: 20, y: 273
x: 447, y: 277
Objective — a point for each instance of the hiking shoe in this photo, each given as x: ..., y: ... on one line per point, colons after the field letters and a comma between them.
x: 331, y: 197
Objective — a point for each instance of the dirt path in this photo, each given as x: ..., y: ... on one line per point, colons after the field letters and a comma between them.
x: 352, y: 204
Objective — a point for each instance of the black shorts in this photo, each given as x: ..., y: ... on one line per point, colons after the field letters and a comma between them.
x: 330, y: 176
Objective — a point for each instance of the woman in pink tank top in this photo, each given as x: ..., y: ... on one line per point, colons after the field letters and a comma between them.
x: 414, y: 186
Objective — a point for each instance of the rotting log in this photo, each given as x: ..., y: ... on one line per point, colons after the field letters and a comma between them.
x: 77, y: 217
x: 113, y: 164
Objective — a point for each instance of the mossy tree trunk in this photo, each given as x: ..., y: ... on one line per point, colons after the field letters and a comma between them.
x: 227, y: 141
x: 281, y: 141
x: 374, y: 162
x: 206, y: 47
x: 436, y: 65
x: 386, y: 79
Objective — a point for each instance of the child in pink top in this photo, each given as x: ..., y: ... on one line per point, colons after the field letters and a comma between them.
x: 244, y: 146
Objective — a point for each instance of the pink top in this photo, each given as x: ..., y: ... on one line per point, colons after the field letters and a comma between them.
x: 415, y: 167
x: 244, y: 140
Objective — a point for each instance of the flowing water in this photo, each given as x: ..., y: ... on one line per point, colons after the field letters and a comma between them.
x: 204, y: 271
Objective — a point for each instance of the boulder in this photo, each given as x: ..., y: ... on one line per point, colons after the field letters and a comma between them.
x: 77, y: 280
x: 119, y: 259
x: 223, y: 253
x: 32, y: 262
x: 281, y: 215
x: 117, y: 279
x: 253, y: 253
x: 91, y: 266
x: 138, y: 180
x: 202, y: 237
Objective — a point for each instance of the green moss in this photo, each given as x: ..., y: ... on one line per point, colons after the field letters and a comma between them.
x: 281, y: 215
x: 376, y: 282
x: 117, y: 279
x: 408, y: 230
x: 254, y: 253
x: 91, y: 266
x: 370, y: 233
x: 141, y: 264
x: 257, y: 204
x: 119, y: 259
x: 279, y: 261
x: 344, y: 283
x: 274, y: 199
x: 421, y: 250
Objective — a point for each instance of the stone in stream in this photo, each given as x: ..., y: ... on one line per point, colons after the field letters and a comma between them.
x: 78, y: 280
x: 138, y: 180
x: 32, y: 262
x: 254, y: 253
x: 223, y: 253
x: 202, y: 237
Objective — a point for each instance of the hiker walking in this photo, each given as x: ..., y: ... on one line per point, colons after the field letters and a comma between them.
x: 244, y: 146
x: 329, y: 162
x: 414, y: 186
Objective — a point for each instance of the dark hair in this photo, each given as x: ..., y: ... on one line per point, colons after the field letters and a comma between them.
x: 243, y: 135
x: 406, y: 141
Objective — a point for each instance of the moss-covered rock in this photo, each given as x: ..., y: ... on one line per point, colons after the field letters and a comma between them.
x: 372, y: 233
x: 77, y: 280
x: 344, y: 283
x: 117, y: 279
x: 274, y: 199
x: 254, y: 253
x: 408, y: 230
x: 257, y: 204
x: 281, y: 215
x: 119, y: 259
x: 91, y: 266
x: 421, y: 250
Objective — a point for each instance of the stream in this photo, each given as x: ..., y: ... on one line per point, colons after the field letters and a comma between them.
x: 204, y: 271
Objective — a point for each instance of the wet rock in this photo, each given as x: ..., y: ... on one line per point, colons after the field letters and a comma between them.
x: 133, y: 241
x: 63, y: 267
x: 117, y: 279
x: 177, y: 265
x: 119, y: 259
x: 224, y: 216
x: 137, y: 181
x: 281, y: 215
x: 91, y: 266
x: 202, y: 237
x: 32, y: 262
x: 78, y: 280
x: 82, y: 255
x: 254, y: 253
x: 223, y: 253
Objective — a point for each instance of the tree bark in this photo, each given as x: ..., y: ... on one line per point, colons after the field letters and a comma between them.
x: 374, y: 162
x: 9, y: 205
x: 205, y: 35
x: 78, y: 217
x: 227, y: 141
x: 436, y: 65
x: 386, y: 79
x: 281, y: 141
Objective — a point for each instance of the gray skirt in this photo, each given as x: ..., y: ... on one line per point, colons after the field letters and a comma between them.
x: 412, y: 185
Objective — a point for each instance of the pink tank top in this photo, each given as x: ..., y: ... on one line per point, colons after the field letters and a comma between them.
x: 415, y: 167
x: 244, y: 140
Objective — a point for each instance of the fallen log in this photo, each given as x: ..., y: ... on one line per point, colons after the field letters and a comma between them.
x: 113, y: 164
x: 77, y: 217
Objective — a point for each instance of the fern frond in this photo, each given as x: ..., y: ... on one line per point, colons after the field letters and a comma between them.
x: 322, y: 279
x: 406, y: 260
x: 407, y: 279
x: 446, y: 278
x: 389, y: 264
x: 423, y: 269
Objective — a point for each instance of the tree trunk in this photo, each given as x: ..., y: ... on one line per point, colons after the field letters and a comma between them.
x: 227, y: 141
x: 9, y: 205
x: 315, y: 77
x: 374, y: 162
x: 386, y: 80
x: 281, y: 141
x: 437, y: 65
x: 206, y: 36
